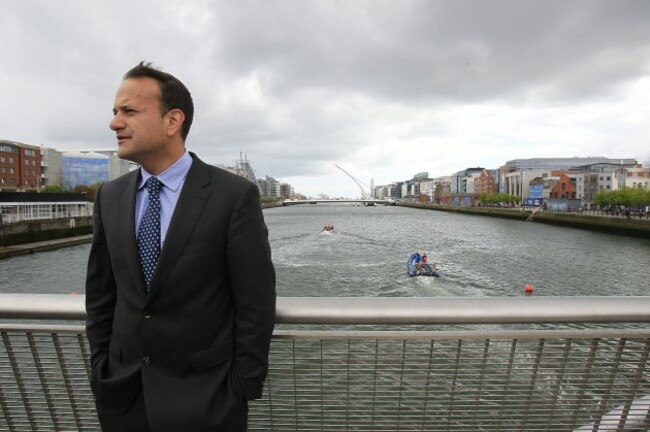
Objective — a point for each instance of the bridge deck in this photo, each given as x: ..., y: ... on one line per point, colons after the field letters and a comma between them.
x: 338, y: 201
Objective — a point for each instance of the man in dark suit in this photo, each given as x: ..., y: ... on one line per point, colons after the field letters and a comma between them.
x: 179, y: 321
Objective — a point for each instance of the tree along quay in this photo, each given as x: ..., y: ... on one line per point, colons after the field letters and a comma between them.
x: 633, y: 227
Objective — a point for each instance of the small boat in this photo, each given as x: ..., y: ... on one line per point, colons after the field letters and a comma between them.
x: 415, y: 267
x: 327, y: 229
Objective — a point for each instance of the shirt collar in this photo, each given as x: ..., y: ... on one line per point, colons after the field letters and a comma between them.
x: 172, y: 177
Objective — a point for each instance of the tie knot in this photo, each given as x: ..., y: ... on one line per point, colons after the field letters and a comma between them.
x: 154, y: 185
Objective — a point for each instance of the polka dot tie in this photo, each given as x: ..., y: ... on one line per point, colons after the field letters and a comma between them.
x: 149, y: 232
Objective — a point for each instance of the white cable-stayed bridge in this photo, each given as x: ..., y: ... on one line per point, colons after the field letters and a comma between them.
x: 366, y: 197
x: 367, y: 202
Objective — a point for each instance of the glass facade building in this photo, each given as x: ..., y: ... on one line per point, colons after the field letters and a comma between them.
x: 84, y: 169
x: 566, y: 164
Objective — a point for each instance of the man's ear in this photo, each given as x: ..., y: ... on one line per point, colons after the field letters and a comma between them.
x: 175, y: 120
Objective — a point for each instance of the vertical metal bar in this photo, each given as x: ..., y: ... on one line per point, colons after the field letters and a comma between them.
x: 295, y: 383
x: 401, y: 386
x: 558, y: 384
x: 374, y: 385
x: 427, y: 389
x: 3, y: 401
x: 453, y: 385
x: 66, y: 379
x: 85, y: 354
x: 610, y: 383
x: 585, y: 380
x: 85, y: 358
x: 635, y: 387
x: 43, y: 380
x: 513, y: 350
x: 322, y: 408
x: 486, y: 347
x: 19, y: 380
x: 347, y: 381
x: 533, y: 380
x: 269, y: 392
x: 5, y: 409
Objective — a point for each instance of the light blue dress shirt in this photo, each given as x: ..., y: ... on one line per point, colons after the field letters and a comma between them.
x: 172, y: 180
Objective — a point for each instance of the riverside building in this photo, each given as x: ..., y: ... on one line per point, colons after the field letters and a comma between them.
x: 516, y: 175
x: 25, y: 206
x: 87, y: 167
x: 20, y: 167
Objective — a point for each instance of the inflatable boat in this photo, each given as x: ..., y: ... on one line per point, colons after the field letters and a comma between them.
x: 415, y: 267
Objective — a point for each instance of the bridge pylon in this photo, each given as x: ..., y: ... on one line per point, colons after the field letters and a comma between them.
x: 364, y: 195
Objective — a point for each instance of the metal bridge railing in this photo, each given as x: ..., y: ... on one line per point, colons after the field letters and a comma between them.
x: 379, y: 364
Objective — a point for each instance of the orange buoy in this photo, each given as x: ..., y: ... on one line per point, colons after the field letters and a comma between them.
x: 529, y: 288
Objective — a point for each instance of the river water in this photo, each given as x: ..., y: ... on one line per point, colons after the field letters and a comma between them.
x: 477, y: 256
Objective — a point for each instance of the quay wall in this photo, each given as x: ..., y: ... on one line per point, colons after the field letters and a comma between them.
x: 633, y: 227
x: 52, y: 233
x: 51, y: 229
x: 44, y: 229
x: 267, y: 205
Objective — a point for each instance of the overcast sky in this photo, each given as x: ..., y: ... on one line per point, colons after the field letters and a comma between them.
x: 385, y: 89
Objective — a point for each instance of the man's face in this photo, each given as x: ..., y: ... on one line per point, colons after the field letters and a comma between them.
x: 137, y: 121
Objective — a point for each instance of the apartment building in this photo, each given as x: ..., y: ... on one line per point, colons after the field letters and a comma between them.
x: 486, y: 182
x: 462, y: 182
x: 591, y: 174
x: 592, y: 178
x: 637, y: 177
x: 20, y: 167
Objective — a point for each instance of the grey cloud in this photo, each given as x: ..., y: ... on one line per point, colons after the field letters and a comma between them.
x: 301, y: 85
x: 467, y: 51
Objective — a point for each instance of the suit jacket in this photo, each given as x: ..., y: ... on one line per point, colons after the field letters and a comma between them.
x: 197, y: 343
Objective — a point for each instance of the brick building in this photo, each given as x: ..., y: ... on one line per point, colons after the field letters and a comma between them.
x: 20, y: 167
x: 564, y: 188
x: 485, y: 183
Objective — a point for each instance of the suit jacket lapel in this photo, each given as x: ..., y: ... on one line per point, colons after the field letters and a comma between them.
x: 187, y: 212
x: 127, y: 217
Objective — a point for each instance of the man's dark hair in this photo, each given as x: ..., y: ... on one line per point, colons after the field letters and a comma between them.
x: 173, y: 93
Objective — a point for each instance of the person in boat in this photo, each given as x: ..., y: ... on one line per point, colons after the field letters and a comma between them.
x: 426, y: 265
x: 422, y: 265
x: 417, y: 261
x: 328, y: 227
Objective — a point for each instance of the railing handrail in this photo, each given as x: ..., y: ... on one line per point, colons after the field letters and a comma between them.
x: 501, y: 378
x: 388, y: 310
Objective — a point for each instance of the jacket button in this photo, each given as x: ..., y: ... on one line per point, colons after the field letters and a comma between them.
x: 146, y: 361
x: 147, y: 315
